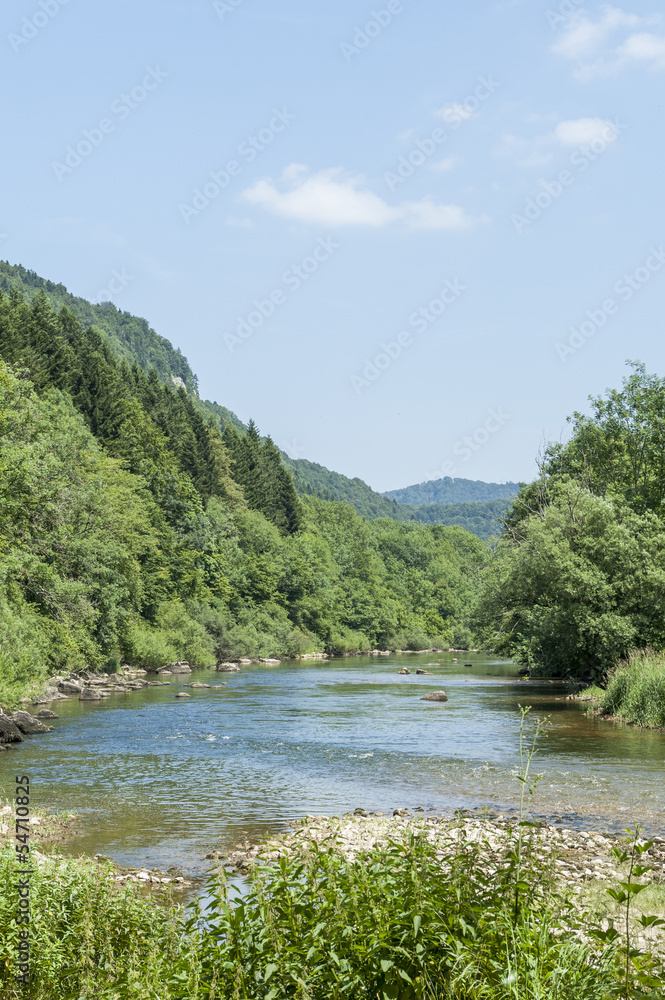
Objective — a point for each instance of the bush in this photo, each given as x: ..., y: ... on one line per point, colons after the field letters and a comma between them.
x: 636, y: 689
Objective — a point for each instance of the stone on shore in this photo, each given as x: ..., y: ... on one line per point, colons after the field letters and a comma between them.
x: 9, y: 731
x: 70, y: 687
x: 435, y: 696
x: 90, y: 694
x: 28, y: 724
x: 268, y: 659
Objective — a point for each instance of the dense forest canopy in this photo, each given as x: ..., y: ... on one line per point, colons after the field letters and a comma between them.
x: 132, y: 526
x: 453, y: 491
x: 578, y: 579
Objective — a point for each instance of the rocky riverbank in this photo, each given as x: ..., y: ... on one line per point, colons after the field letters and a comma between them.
x: 580, y: 863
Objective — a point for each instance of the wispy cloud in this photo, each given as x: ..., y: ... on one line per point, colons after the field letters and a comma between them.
x: 608, y: 44
x: 334, y: 197
x: 538, y: 151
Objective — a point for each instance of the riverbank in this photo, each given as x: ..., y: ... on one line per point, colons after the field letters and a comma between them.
x: 634, y: 693
x: 347, y: 905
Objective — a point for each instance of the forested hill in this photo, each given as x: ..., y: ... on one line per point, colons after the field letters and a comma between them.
x: 315, y: 480
x: 480, y: 516
x: 132, y: 341
x: 129, y: 337
x: 132, y: 526
x: 453, y: 491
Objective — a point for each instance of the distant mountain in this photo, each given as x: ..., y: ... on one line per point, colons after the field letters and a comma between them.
x: 453, y: 491
x: 479, y: 516
x: 315, y: 480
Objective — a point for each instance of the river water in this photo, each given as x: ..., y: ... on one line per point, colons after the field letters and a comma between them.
x: 161, y: 781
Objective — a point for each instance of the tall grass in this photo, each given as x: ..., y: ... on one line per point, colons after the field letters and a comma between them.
x: 636, y: 690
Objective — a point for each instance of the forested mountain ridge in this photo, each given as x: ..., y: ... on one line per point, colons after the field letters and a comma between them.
x: 453, y: 491
x: 131, y: 526
x: 482, y: 517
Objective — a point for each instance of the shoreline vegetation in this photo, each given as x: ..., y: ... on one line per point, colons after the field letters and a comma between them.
x: 414, y: 907
x: 634, y: 692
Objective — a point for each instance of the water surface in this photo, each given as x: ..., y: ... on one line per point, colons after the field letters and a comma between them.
x: 161, y: 781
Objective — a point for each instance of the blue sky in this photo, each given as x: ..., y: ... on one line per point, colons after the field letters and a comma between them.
x: 406, y: 238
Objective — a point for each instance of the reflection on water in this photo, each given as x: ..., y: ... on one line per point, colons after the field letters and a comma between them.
x: 161, y: 781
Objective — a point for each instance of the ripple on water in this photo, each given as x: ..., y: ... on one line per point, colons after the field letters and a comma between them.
x: 161, y: 782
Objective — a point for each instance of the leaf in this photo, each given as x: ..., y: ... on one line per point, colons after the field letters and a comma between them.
x: 386, y: 964
x: 417, y: 920
x: 270, y: 970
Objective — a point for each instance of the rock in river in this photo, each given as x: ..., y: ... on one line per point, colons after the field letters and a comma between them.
x: 28, y: 724
x: 9, y: 732
x: 435, y: 696
x: 405, y: 671
x: 70, y: 687
x: 421, y: 672
x: 46, y: 713
x: 90, y: 694
x: 228, y: 668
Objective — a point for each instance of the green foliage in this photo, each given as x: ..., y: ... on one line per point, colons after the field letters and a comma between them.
x: 457, y: 504
x: 453, y: 491
x: 483, y: 517
x: 578, y: 579
x: 636, y: 690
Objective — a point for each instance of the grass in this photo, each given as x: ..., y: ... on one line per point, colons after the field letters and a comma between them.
x: 636, y: 690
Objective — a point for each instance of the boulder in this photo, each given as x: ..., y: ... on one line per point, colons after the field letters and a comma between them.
x: 70, y: 687
x: 197, y: 684
x: 90, y: 694
x: 181, y: 694
x: 405, y: 671
x: 228, y: 668
x: 435, y: 696
x: 244, y: 661
x: 9, y: 731
x: 268, y: 659
x: 164, y: 672
x: 181, y: 667
x: 422, y: 672
x: 28, y: 724
x: 46, y: 713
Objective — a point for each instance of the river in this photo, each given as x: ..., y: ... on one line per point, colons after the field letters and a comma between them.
x: 161, y: 781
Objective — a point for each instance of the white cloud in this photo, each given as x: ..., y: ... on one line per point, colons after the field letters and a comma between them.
x: 239, y: 223
x: 538, y: 151
x: 600, y: 50
x: 335, y: 198
x: 579, y: 131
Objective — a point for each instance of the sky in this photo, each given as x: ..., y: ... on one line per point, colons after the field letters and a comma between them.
x: 408, y: 239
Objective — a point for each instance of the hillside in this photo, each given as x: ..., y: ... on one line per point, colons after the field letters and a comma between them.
x: 479, y: 516
x: 452, y: 491
x: 131, y: 527
x: 131, y: 340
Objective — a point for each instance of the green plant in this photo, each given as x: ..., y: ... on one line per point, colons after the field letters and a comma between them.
x: 640, y: 975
